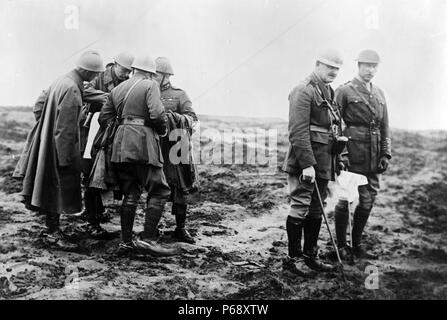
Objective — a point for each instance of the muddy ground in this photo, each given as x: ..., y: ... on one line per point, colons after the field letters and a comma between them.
x: 241, y: 239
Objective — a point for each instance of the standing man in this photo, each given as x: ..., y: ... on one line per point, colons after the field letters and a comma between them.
x: 313, y: 120
x: 95, y: 94
x: 136, y: 153
x: 50, y: 164
x: 365, y: 114
x: 180, y: 177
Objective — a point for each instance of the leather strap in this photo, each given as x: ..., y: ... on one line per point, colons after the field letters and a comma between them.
x: 363, y: 99
x: 121, y: 106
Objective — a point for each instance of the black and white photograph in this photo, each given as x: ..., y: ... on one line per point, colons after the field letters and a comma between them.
x: 223, y: 151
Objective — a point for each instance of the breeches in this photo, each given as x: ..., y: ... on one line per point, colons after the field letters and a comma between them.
x: 304, y: 202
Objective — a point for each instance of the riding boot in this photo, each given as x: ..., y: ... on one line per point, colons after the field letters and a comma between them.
x: 152, y: 216
x: 91, y: 206
x: 294, y: 227
x: 361, y: 216
x: 180, y: 233
x: 127, y: 217
x: 148, y: 242
x: 310, y: 252
x: 341, y: 222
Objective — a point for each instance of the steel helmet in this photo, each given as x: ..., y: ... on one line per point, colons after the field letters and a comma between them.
x: 125, y: 59
x: 145, y: 63
x: 330, y: 57
x: 91, y: 61
x: 164, y: 65
x: 368, y: 56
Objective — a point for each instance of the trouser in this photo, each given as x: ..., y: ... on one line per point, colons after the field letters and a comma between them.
x: 93, y: 204
x: 92, y: 196
x: 367, y: 197
x: 133, y: 179
x: 305, y: 214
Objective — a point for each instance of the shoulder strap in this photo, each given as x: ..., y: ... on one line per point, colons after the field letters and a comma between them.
x: 119, y: 109
x: 333, y: 115
x: 363, y: 98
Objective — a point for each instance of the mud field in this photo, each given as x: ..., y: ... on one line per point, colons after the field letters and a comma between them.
x: 240, y: 229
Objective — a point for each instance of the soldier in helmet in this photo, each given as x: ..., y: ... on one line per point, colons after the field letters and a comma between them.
x: 364, y: 111
x: 181, y: 177
x: 95, y: 94
x: 50, y: 164
x: 313, y: 122
x: 136, y: 153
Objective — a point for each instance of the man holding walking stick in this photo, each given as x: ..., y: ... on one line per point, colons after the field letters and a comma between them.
x: 314, y: 128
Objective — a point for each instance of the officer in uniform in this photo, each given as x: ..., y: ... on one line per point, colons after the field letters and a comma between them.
x: 364, y: 111
x: 95, y: 94
x: 313, y: 124
x: 180, y: 177
x: 136, y: 153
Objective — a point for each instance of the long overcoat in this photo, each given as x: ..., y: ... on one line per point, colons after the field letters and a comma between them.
x: 50, y: 162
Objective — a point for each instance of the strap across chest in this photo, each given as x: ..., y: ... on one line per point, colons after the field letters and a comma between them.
x: 366, y: 102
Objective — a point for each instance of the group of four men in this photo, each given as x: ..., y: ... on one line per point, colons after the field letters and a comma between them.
x: 146, y: 107
x: 318, y: 117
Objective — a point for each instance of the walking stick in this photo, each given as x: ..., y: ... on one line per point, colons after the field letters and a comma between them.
x: 329, y: 229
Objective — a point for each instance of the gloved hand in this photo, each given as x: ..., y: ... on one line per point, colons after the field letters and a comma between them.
x: 176, y: 116
x: 309, y: 174
x: 340, y: 166
x: 383, y: 164
x: 346, y: 163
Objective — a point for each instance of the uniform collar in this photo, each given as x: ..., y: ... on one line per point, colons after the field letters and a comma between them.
x: 139, y: 76
x: 360, y: 81
x: 76, y: 77
x: 321, y: 85
x: 166, y: 86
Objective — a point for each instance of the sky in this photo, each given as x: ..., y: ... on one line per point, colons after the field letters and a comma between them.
x: 236, y: 57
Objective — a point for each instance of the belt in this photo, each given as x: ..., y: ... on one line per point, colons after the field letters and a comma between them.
x: 134, y: 121
x: 372, y: 126
x: 319, y: 129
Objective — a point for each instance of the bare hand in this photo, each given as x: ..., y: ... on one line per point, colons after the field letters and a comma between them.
x: 309, y: 174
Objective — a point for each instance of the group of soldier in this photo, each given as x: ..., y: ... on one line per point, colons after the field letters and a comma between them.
x: 319, y: 118
x: 146, y: 107
x: 136, y: 113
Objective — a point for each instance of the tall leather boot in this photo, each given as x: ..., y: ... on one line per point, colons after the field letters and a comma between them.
x: 293, y: 263
x: 180, y: 233
x: 152, y: 216
x: 341, y: 222
x: 127, y: 217
x: 361, y: 216
x: 91, y: 206
x: 294, y: 227
x: 148, y: 242
x: 310, y: 252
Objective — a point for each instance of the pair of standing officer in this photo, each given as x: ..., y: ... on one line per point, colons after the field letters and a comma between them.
x: 316, y: 115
